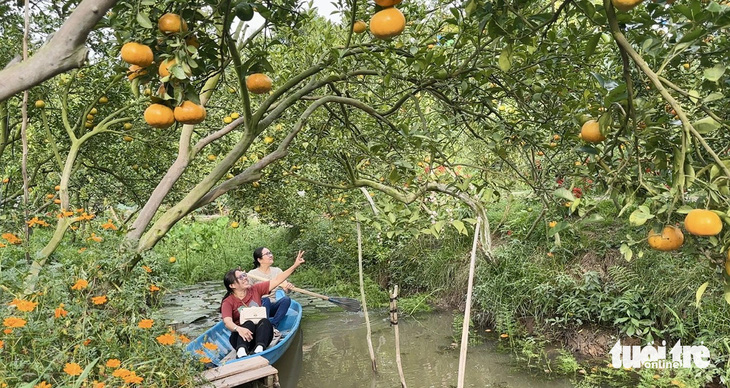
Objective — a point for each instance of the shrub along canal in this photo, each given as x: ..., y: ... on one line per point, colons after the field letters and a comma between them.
x: 331, y: 350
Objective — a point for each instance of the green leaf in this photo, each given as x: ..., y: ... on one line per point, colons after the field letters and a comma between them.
x: 564, y: 193
x: 591, y: 45
x: 714, y: 74
x: 706, y: 125
x: 505, y: 59
x: 144, y: 20
x: 459, y: 226
x: 627, y: 252
x: 700, y: 291
x: 713, y: 97
x: 640, y: 216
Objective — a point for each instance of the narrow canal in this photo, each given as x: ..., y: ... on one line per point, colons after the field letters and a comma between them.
x: 331, y: 349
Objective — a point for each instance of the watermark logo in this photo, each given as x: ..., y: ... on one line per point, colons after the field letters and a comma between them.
x: 656, y: 357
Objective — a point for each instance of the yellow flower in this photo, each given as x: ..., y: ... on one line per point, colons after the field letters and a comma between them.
x: 132, y: 378
x: 95, y: 238
x: 121, y: 373
x: 42, y: 384
x: 86, y: 217
x: 11, y: 238
x: 98, y: 385
x: 108, y: 225
x: 80, y: 284
x: 184, y: 339
x: 2, y: 245
x: 2, y: 344
x: 36, y: 221
x: 63, y: 214
x: 60, y: 312
x: 146, y: 323
x: 166, y: 339
x: 81, y: 250
x: 154, y: 288
x: 23, y: 305
x: 205, y: 360
x: 99, y: 299
x: 147, y: 269
x: 200, y: 351
x: 87, y: 341
x: 210, y: 346
x: 72, y: 369
x: 113, y: 363
x: 7, y: 331
x: 12, y: 322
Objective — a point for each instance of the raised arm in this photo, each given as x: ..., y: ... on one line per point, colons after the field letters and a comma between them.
x: 282, y: 276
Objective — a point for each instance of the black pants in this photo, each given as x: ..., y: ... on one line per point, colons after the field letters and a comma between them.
x: 262, y: 331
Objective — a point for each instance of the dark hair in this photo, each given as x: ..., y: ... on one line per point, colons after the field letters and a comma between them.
x: 257, y: 255
x: 229, y: 279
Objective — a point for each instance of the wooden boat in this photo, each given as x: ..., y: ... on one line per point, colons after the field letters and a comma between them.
x: 223, y: 352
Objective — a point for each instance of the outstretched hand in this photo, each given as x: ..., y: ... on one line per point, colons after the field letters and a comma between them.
x: 300, y: 258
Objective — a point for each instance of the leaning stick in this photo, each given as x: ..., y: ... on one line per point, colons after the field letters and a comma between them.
x: 394, y: 323
x: 362, y: 296
x: 467, y: 311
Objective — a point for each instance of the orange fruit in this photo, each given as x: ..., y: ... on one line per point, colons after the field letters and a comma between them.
x: 234, y: 224
x: 670, y: 239
x: 135, y: 71
x: 171, y: 23
x: 57, y: 201
x: 387, y: 23
x: 164, y: 69
x: 127, y: 138
x: 172, y: 259
x: 359, y: 27
x: 258, y: 83
x: 40, y: 104
x: 159, y: 116
x: 190, y: 113
x: 137, y: 54
x: 212, y: 157
x: 387, y: 3
x: 625, y: 5
x: 192, y: 40
x: 702, y: 222
x: 591, y: 132
x: 128, y: 126
x: 57, y: 188
x: 103, y: 100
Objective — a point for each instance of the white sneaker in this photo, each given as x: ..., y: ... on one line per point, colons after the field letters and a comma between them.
x: 241, y: 353
x: 258, y: 349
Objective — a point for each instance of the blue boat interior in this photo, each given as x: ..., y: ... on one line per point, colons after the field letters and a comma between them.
x: 219, y: 335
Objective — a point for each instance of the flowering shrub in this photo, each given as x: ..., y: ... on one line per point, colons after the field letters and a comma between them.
x: 89, y: 323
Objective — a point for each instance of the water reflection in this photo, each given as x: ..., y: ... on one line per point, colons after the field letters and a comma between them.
x: 330, y: 348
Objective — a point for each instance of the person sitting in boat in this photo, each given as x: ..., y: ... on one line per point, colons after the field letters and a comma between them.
x: 263, y: 270
x: 248, y: 336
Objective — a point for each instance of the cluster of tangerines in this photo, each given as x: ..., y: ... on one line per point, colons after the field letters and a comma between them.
x: 386, y: 23
x: 699, y: 222
x: 140, y: 57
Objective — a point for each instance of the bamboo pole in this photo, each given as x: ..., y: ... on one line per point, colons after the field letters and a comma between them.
x: 24, y: 138
x: 467, y: 311
x: 394, y: 323
x: 362, y: 296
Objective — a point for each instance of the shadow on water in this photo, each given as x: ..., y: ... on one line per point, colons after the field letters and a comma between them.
x: 330, y: 349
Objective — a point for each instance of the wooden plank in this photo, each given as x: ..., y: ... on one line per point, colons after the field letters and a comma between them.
x: 234, y: 368
x: 245, y: 377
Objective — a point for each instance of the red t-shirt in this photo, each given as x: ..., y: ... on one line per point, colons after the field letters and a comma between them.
x: 230, y: 305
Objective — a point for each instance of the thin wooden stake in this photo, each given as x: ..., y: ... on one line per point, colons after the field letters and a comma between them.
x: 467, y: 311
x: 394, y: 323
x: 362, y: 296
x: 24, y: 136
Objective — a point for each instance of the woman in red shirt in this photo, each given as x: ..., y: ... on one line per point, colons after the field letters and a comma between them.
x: 240, y: 292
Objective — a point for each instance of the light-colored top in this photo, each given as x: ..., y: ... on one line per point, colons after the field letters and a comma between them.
x: 273, y: 272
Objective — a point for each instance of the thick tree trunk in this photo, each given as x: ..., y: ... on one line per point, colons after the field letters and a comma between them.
x: 65, y: 51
